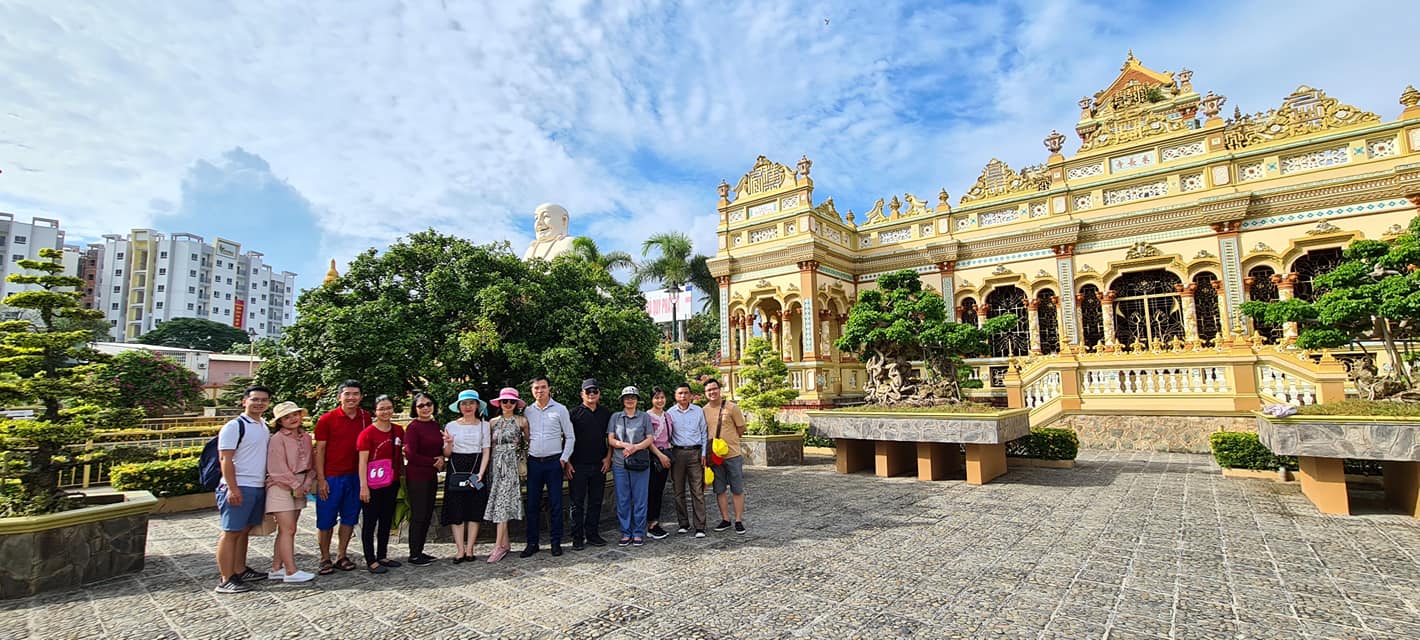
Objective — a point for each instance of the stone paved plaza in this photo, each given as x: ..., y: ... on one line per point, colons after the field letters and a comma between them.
x: 1126, y: 545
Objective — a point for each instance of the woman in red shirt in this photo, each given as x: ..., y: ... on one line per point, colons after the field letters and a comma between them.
x: 424, y: 459
x: 381, y: 462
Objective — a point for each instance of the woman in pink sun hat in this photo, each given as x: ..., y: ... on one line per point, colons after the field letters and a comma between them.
x: 505, y: 500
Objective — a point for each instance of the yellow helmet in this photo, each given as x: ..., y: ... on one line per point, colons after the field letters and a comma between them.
x: 720, y: 447
x: 709, y: 475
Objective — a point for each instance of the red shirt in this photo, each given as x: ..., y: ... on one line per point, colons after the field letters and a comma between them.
x: 423, y: 444
x: 339, y: 433
x: 383, y: 445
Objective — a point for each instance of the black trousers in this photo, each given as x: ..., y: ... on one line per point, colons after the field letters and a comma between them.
x: 421, y: 512
x: 378, y: 513
x: 588, y: 488
x: 656, y: 490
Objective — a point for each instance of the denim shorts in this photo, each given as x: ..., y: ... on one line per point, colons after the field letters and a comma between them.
x: 730, y: 472
x: 344, y: 503
x: 248, y: 514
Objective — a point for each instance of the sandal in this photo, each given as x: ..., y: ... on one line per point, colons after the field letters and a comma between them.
x: 344, y: 564
x: 326, y: 568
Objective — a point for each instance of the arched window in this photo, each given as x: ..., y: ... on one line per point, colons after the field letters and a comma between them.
x: 1046, y: 321
x: 1016, y: 340
x: 1311, y: 265
x: 1147, y: 307
x: 1205, y: 306
x: 1091, y: 316
x: 1263, y: 290
x: 968, y: 311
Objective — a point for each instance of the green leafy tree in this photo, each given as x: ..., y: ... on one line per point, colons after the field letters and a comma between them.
x: 196, y: 333
x: 702, y: 332
x: 153, y: 383
x: 675, y: 265
x: 764, y: 385
x: 1373, y: 295
x: 438, y: 313
x: 43, y: 364
x: 901, y: 321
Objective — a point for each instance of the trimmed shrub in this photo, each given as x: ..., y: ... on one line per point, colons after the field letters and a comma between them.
x: 134, y: 435
x: 810, y: 440
x: 1046, y: 444
x: 1242, y: 450
x: 162, y: 478
x: 177, y: 452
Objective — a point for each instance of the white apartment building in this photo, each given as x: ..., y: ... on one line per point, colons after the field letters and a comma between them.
x: 147, y: 277
x: 22, y: 241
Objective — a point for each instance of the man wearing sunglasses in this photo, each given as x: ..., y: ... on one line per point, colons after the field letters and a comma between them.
x: 591, y: 459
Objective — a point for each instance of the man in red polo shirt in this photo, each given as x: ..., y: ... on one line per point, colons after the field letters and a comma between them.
x: 337, y: 473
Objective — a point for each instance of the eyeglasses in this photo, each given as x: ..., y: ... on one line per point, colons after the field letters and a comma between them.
x: 592, y: 391
x: 423, y: 405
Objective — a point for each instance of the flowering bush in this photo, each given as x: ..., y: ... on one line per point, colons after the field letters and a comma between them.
x: 153, y: 383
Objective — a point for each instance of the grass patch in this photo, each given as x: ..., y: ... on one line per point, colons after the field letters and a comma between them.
x: 1355, y: 407
x: 960, y: 407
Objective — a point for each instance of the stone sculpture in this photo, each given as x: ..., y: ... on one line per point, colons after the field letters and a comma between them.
x: 550, y: 222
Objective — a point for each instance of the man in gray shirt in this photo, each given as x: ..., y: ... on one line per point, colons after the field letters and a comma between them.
x: 688, y: 463
x: 550, y: 443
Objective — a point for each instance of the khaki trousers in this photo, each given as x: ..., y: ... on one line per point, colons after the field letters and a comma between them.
x: 686, y: 469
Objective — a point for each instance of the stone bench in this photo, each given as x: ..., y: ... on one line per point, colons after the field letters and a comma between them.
x: 1322, y: 443
x: 937, y: 444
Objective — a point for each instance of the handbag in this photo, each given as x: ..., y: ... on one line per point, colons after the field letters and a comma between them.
x: 380, y: 473
x: 639, y: 461
x: 461, y: 481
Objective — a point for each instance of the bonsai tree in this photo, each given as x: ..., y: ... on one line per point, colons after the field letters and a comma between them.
x: 44, y: 364
x: 900, y: 322
x: 1374, y: 295
x: 764, y: 385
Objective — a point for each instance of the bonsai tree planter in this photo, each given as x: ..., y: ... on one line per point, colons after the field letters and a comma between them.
x: 891, y: 442
x: 1320, y: 443
x: 780, y: 450
x: 69, y: 549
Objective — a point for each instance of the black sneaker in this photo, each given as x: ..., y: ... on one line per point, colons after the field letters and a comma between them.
x: 682, y: 529
x: 421, y: 560
x: 233, y: 585
x: 251, y: 574
x: 724, y: 524
x: 658, y: 533
x: 739, y: 527
x: 528, y: 551
x: 556, y: 549
x: 597, y: 541
x: 700, y: 533
x: 578, y: 545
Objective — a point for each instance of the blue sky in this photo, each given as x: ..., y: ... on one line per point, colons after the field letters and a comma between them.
x: 321, y: 130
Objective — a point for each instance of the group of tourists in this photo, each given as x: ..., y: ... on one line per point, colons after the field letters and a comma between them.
x: 356, y: 462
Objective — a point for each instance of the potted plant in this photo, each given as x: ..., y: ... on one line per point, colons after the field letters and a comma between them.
x: 914, y: 415
x: 54, y: 539
x: 763, y: 390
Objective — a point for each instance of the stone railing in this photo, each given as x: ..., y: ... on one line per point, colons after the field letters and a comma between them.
x: 1182, y: 378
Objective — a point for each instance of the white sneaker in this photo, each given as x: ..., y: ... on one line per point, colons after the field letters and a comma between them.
x: 276, y: 575
x: 299, y: 576
x: 682, y: 530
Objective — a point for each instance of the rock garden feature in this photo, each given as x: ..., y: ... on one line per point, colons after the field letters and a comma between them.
x: 915, y: 417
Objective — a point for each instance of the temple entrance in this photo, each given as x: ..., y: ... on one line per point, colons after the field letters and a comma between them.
x: 1147, y: 307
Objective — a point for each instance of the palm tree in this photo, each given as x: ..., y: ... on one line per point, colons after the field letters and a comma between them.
x: 586, y: 249
x: 675, y: 267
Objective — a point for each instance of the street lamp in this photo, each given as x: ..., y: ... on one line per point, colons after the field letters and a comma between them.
x: 675, y: 291
x: 251, y: 353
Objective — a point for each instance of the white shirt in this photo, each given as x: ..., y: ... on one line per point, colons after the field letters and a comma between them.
x: 549, y: 430
x: 250, y: 459
x: 468, y: 438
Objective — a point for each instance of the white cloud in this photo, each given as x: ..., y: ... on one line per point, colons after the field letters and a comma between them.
x: 391, y: 117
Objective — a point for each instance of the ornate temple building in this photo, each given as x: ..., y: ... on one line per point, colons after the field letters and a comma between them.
x: 1147, y: 239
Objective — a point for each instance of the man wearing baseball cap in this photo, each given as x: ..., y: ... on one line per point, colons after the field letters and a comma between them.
x: 591, y: 459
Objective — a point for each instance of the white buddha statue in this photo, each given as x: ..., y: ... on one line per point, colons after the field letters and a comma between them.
x: 550, y: 226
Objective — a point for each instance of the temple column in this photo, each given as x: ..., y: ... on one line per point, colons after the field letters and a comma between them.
x: 1033, y: 322
x: 726, y: 348
x: 1190, y: 312
x: 1285, y: 285
x: 947, y: 271
x: 1107, y: 315
x: 1066, y: 308
x: 981, y: 311
x: 1230, y: 257
x: 825, y: 335
x: 808, y: 285
x: 842, y: 321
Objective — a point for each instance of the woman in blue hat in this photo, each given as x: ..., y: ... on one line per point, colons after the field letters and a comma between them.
x: 465, y: 493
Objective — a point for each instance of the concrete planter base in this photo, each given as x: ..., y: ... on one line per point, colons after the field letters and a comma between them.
x: 1044, y: 464
x: 193, y: 502
x: 73, y: 548
x: 894, y: 443
x: 772, y: 451
x: 1321, y: 443
x: 1255, y: 474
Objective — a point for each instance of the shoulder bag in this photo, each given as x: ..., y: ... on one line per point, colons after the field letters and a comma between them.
x: 380, y: 473
x: 639, y: 461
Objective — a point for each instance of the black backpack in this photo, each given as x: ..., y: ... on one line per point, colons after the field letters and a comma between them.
x: 209, y: 464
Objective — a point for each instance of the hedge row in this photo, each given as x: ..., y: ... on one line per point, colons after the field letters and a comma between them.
x: 1242, y: 450
x: 1046, y: 444
x: 162, y: 478
x: 134, y: 435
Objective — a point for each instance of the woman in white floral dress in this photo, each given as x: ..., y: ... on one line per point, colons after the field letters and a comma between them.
x: 505, y: 500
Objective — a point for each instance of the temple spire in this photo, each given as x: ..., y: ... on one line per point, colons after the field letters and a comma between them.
x: 332, y: 275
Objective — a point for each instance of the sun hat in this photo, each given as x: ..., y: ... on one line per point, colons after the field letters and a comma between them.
x: 509, y: 393
x: 631, y: 391
x: 288, y: 407
x: 469, y: 394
